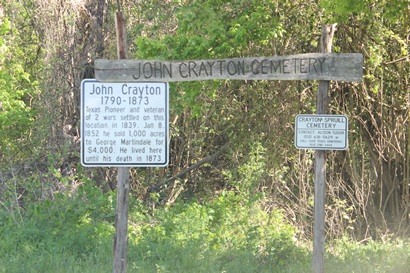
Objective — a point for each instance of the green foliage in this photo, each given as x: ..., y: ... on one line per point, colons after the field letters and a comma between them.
x: 348, y: 256
x: 227, y: 234
x: 34, y: 260
x: 247, y: 178
x: 49, y: 224
x: 343, y: 10
x: 18, y: 88
x: 346, y: 8
x: 74, y: 232
x: 74, y: 224
x: 206, y: 30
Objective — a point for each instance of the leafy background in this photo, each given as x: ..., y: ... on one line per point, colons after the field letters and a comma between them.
x: 253, y: 199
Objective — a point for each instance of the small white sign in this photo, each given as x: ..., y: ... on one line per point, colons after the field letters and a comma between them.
x: 124, y: 124
x: 321, y: 132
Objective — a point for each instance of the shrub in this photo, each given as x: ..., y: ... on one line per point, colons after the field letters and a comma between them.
x: 76, y: 225
x: 219, y: 235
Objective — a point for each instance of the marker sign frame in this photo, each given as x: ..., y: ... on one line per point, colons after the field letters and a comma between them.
x: 124, y: 124
x: 321, y: 132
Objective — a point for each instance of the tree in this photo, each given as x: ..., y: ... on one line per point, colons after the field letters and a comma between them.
x: 240, y: 132
x: 18, y: 54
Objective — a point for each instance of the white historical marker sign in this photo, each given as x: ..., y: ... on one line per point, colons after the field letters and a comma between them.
x: 321, y: 132
x: 124, y: 124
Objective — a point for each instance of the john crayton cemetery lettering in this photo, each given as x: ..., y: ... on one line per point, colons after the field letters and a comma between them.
x: 311, y: 66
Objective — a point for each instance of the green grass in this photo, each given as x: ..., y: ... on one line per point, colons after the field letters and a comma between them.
x: 56, y: 261
x: 393, y: 259
x: 229, y: 234
x: 375, y: 257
